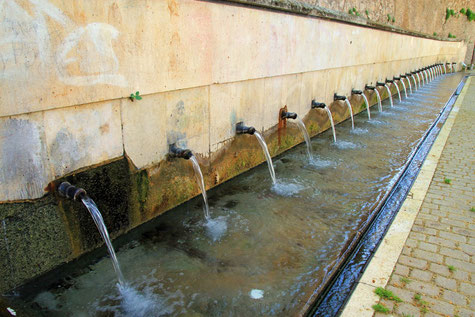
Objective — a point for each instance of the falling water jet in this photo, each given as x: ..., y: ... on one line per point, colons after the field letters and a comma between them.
x: 453, y: 67
x: 186, y: 154
x: 414, y: 79
x: 387, y: 89
x: 409, y: 82
x: 401, y: 79
x: 359, y: 92
x: 380, y: 106
x: 418, y: 78
x: 343, y: 98
x: 397, y: 87
x: 67, y: 190
x: 302, y: 128
x: 242, y: 129
x: 321, y: 105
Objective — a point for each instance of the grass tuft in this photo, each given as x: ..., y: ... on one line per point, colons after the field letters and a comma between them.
x: 447, y: 180
x: 386, y: 294
x: 451, y: 268
x: 380, y: 308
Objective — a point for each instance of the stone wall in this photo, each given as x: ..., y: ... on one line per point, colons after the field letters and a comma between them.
x: 67, y: 70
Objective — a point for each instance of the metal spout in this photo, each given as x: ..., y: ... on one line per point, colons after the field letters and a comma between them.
x: 338, y: 97
x: 389, y: 80
x: 356, y: 92
x: 67, y: 190
x: 403, y: 76
x: 369, y: 87
x: 242, y: 129
x: 408, y: 74
x: 174, y: 151
x: 288, y: 115
x: 316, y: 104
x: 380, y: 84
x: 396, y: 78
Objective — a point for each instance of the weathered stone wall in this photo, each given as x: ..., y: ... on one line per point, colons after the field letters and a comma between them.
x: 67, y: 69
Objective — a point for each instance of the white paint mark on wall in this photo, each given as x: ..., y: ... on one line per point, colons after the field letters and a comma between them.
x: 96, y: 40
x: 26, y: 40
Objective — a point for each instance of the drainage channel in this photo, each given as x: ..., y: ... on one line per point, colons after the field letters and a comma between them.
x: 340, y: 286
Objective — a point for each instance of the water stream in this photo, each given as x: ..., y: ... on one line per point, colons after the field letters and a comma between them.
x: 390, y: 95
x: 404, y: 85
x: 201, y: 184
x: 380, y: 107
x: 415, y: 82
x: 351, y: 113
x: 303, y: 129
x: 398, y: 92
x: 263, y: 144
x: 330, y: 117
x: 367, y: 105
x: 97, y: 217
x: 409, y: 82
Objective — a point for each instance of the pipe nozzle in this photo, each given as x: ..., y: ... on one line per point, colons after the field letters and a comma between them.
x: 380, y: 83
x: 396, y: 78
x: 288, y: 115
x: 389, y: 80
x: 67, y: 190
x: 175, y: 151
x: 316, y: 104
x: 242, y: 129
x: 356, y: 92
x: 369, y: 87
x: 338, y: 97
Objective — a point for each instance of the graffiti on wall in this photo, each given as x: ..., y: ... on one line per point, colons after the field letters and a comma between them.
x: 37, y: 34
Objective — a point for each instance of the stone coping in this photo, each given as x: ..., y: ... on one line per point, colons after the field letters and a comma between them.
x: 303, y: 8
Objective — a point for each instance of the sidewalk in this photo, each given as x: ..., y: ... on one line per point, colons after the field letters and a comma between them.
x: 427, y: 257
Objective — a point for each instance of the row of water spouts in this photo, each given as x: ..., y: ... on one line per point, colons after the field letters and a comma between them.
x: 423, y: 75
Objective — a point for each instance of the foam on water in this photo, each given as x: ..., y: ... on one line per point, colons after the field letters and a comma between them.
x: 344, y: 145
x: 216, y: 228
x: 318, y: 162
x: 286, y: 189
x: 359, y: 131
x: 256, y: 294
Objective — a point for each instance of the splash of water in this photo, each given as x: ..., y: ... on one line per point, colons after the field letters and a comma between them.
x: 268, y: 157
x: 216, y: 228
x: 201, y: 184
x: 331, y: 122
x: 389, y: 93
x: 404, y: 85
x: 97, y: 217
x: 367, y: 105
x: 302, y: 128
x: 351, y: 113
x: 380, y: 106
x: 398, y: 91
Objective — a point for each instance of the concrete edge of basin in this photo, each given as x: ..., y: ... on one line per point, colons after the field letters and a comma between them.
x: 380, y: 267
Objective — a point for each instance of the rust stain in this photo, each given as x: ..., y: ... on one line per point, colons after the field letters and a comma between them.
x: 173, y: 8
x: 104, y: 128
x: 282, y: 125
